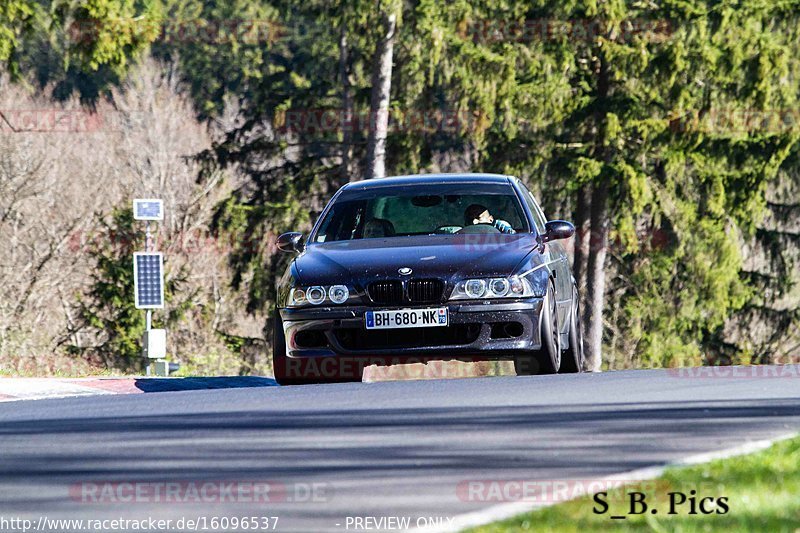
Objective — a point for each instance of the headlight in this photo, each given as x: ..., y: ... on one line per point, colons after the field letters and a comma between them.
x: 474, y: 289
x: 318, y: 295
x: 338, y: 294
x: 297, y: 297
x: 499, y: 287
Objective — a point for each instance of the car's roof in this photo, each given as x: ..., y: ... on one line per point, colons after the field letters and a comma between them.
x: 418, y: 179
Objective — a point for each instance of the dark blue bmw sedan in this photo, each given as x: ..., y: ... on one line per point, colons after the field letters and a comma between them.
x: 427, y: 267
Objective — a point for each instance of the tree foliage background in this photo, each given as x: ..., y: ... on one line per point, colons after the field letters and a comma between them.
x: 667, y: 131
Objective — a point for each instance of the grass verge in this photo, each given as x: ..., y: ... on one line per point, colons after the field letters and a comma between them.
x: 762, y: 491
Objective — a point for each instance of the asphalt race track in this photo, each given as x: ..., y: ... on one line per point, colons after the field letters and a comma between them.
x: 398, y: 449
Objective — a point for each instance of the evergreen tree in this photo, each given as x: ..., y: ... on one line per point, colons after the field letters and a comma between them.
x: 17, y: 18
x: 619, y: 116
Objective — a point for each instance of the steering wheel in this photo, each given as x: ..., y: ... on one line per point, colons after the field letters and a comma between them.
x: 446, y: 230
x: 478, y: 229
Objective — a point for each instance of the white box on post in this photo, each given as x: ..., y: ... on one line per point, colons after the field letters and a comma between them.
x: 155, y: 343
x: 148, y: 209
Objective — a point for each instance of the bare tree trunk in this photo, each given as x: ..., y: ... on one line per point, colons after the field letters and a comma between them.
x: 598, y: 239
x: 596, y: 276
x: 379, y: 103
x: 582, y: 237
x: 347, y: 108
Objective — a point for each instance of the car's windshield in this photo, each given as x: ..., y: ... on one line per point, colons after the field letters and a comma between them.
x: 423, y: 210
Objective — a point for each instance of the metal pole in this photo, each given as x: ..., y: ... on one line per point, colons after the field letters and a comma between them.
x: 148, y: 314
x: 147, y: 237
x: 148, y: 317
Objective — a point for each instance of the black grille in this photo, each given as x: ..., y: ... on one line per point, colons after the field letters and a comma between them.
x: 425, y: 290
x: 386, y: 292
x: 418, y: 291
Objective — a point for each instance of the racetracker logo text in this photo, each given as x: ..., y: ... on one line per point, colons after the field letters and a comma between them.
x: 736, y: 372
x: 192, y: 492
x: 546, y: 491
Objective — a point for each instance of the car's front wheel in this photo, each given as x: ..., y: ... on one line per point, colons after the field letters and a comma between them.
x: 573, y: 356
x: 280, y: 363
x: 548, y: 359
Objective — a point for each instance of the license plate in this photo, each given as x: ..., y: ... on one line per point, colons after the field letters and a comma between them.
x: 406, y: 318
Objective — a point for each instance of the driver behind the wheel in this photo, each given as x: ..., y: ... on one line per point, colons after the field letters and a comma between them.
x: 479, y: 214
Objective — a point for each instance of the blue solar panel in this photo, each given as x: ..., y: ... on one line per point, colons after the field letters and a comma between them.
x: 147, y: 209
x: 148, y: 280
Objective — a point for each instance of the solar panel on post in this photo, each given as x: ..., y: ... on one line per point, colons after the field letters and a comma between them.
x: 148, y: 280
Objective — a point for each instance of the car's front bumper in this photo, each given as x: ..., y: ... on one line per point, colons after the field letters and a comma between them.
x: 476, y: 331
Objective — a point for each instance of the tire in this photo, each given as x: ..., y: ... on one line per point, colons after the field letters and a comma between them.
x: 547, y: 359
x: 306, y: 372
x: 279, y: 359
x: 572, y: 359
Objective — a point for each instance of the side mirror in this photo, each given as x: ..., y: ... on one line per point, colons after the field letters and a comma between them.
x: 291, y: 242
x: 558, y: 229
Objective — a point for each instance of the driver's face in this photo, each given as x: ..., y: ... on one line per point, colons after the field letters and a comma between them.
x: 486, y: 218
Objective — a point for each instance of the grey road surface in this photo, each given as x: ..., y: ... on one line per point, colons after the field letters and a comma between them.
x: 322, y: 457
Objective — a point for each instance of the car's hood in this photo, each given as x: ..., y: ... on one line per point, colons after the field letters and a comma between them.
x: 446, y: 257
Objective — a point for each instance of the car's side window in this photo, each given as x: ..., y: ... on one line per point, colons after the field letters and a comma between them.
x: 538, y: 216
